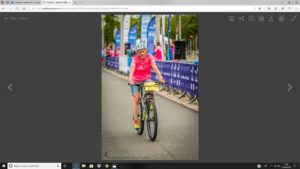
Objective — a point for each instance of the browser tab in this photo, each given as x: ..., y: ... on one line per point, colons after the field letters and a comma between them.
x: 57, y: 2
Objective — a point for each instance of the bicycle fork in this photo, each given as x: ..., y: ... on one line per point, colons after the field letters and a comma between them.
x: 146, y: 106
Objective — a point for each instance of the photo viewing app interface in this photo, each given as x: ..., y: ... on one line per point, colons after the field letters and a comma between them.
x: 139, y: 85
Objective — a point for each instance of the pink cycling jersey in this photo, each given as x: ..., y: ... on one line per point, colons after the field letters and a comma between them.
x: 142, y: 69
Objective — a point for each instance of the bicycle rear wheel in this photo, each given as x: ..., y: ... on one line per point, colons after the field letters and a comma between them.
x: 141, y: 120
x: 152, y: 120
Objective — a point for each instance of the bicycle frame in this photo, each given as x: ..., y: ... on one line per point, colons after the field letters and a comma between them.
x: 142, y: 94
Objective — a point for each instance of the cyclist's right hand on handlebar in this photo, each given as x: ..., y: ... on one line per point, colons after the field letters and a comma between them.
x: 131, y: 83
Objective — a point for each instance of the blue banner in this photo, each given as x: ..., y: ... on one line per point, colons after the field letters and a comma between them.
x: 170, y: 55
x: 145, y: 19
x: 151, y: 36
x: 132, y: 36
x: 181, y: 76
x: 112, y: 62
x: 117, y: 39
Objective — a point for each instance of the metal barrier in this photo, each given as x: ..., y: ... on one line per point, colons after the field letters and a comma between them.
x: 183, y: 78
x: 121, y: 64
x: 112, y: 62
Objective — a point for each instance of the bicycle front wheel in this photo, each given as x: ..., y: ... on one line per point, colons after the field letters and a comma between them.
x: 152, y: 120
x: 141, y: 120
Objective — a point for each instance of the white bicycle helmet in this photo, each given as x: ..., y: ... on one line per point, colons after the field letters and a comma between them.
x: 140, y: 46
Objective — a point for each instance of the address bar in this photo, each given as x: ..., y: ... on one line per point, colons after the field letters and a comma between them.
x: 151, y: 8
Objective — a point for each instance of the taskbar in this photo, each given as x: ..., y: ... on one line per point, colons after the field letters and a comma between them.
x: 167, y: 165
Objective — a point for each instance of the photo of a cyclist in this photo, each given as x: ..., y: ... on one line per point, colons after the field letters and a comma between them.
x: 149, y: 87
x: 140, y: 71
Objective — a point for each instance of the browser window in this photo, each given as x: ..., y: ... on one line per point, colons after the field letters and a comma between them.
x: 140, y: 84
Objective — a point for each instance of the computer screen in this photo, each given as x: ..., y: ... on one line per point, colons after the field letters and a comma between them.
x: 149, y: 84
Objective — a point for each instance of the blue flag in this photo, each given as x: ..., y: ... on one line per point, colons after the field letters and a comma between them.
x: 170, y: 54
x: 117, y: 39
x: 145, y: 19
x: 132, y: 36
x: 151, y: 36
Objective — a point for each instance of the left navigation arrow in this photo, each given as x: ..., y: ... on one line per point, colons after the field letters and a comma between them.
x: 10, y: 87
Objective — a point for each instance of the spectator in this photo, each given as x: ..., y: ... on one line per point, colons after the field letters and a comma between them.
x: 158, y: 52
x: 105, y: 52
x: 111, y: 52
x: 118, y: 53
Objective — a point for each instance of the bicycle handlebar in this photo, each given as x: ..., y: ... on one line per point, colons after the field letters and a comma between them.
x: 142, y: 83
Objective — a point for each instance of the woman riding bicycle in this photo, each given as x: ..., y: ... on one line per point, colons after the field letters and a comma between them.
x: 140, y: 71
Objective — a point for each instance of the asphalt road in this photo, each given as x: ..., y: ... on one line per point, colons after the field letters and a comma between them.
x: 177, y: 137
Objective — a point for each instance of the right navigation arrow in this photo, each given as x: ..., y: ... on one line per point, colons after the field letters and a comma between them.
x: 290, y: 87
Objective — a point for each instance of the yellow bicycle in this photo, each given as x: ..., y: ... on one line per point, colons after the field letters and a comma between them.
x: 147, y: 108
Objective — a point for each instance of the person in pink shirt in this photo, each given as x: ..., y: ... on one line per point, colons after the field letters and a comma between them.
x: 158, y: 52
x: 104, y: 51
x: 111, y: 52
x: 140, y: 71
x: 118, y: 52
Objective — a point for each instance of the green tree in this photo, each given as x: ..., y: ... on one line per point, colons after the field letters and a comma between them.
x: 189, y: 26
x: 174, y: 22
x: 136, y: 20
x: 111, y: 22
x: 174, y: 26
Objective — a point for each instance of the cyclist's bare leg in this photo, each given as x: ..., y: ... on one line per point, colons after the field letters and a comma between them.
x: 135, y: 105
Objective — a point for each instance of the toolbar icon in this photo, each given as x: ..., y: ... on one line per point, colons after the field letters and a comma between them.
x: 91, y: 166
x: 261, y: 18
x: 281, y: 18
x: 293, y: 18
x: 83, y: 165
x: 98, y: 165
x: 271, y: 19
x: 231, y: 18
x: 242, y: 18
x: 251, y: 18
x: 258, y: 166
x: 114, y: 166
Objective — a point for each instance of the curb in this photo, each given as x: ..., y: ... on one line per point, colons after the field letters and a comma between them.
x: 184, y: 102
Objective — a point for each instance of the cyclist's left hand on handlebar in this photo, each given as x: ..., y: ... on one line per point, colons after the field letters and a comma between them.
x: 162, y: 81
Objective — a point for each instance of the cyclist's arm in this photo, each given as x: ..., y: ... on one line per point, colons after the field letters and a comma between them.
x: 154, y: 67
